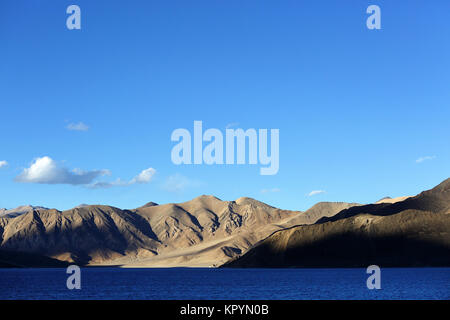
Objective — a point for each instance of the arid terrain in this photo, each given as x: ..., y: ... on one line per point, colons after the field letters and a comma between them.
x: 202, y: 232
x: 410, y: 232
x: 209, y: 232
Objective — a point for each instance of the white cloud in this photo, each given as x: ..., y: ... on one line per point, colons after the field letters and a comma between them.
x: 106, y: 184
x: 144, y: 177
x: 422, y: 159
x: 316, y: 192
x: 3, y: 163
x: 80, y: 126
x: 179, y: 183
x: 46, y: 171
x: 270, y: 190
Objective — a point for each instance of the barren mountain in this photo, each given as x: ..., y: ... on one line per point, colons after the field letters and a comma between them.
x: 202, y: 232
x: 11, y: 213
x: 412, y: 232
x: 434, y: 200
x: 207, y: 231
x: 391, y: 200
x: 318, y: 211
x: 229, y: 229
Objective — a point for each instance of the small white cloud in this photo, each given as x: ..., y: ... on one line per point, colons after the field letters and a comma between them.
x: 422, y: 159
x: 3, y: 163
x: 316, y: 192
x: 144, y: 177
x: 46, y: 171
x: 270, y: 190
x: 179, y: 183
x: 80, y: 126
x: 106, y: 185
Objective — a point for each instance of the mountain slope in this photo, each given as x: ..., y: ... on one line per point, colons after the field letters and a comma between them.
x: 413, y: 232
x: 211, y: 229
x: 391, y: 200
x: 207, y: 231
x: 434, y: 200
x: 12, y: 213
x: 409, y: 238
x: 319, y: 211
x: 13, y: 259
x: 229, y: 229
x: 82, y: 234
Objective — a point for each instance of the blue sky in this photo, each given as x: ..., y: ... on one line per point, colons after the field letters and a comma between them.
x: 357, y: 109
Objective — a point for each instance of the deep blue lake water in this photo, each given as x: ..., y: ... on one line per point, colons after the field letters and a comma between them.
x: 234, y: 284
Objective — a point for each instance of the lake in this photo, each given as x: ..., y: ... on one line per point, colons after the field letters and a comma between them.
x: 225, y: 284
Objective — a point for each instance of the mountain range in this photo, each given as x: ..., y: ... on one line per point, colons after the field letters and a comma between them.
x: 410, y: 232
x: 209, y: 232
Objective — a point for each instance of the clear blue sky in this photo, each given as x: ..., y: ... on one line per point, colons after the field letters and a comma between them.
x: 356, y: 108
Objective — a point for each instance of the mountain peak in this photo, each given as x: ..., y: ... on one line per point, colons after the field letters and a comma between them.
x: 242, y: 201
x: 11, y: 213
x: 149, y: 204
x: 82, y: 205
x: 207, y: 196
x: 391, y: 200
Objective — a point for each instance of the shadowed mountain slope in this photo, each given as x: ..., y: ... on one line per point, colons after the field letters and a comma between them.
x: 434, y: 200
x: 11, y: 259
x: 413, y: 232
